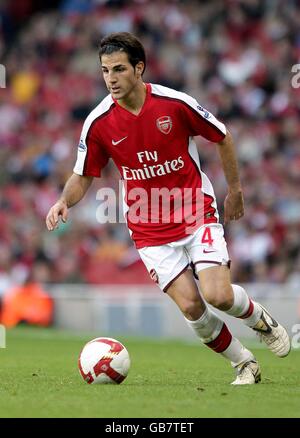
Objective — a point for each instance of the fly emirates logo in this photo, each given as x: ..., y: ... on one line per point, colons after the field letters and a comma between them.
x: 151, y: 168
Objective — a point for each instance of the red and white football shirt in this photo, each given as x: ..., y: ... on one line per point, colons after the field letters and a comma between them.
x: 154, y: 150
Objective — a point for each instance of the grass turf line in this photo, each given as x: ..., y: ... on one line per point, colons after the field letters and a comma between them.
x: 39, y: 378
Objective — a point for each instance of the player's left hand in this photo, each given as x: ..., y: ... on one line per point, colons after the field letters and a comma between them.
x: 233, y: 206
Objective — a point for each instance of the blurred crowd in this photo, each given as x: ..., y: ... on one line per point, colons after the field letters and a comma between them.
x: 234, y: 56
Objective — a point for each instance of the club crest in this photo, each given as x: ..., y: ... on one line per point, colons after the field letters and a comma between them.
x: 164, y: 124
x: 154, y: 276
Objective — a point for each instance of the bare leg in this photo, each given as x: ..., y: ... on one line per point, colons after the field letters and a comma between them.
x: 209, y: 327
x: 217, y: 290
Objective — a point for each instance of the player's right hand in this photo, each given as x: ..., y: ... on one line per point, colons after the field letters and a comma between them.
x: 57, y: 210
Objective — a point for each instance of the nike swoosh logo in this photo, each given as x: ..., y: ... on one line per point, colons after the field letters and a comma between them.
x: 274, y: 323
x: 266, y: 327
x: 206, y: 251
x: 119, y: 141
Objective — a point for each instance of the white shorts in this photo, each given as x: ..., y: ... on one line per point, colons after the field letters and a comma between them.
x: 203, y: 249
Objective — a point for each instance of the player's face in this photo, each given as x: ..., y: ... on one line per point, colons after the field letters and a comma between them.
x: 119, y: 75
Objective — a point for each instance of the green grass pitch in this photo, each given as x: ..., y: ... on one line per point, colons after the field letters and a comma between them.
x: 39, y: 378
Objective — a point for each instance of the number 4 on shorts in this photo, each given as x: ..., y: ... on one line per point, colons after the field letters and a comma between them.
x: 206, y: 237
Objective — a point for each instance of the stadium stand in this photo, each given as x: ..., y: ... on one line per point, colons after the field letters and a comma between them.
x: 234, y: 56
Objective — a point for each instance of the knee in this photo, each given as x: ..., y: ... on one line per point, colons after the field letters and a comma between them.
x: 192, y: 309
x: 220, y: 299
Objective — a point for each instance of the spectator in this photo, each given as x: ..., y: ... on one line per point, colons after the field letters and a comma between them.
x: 237, y: 56
x: 27, y: 303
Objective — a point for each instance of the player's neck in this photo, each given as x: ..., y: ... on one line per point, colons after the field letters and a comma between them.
x: 134, y: 101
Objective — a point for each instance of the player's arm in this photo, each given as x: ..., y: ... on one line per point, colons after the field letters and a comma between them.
x: 234, y: 202
x: 74, y: 190
x: 199, y: 121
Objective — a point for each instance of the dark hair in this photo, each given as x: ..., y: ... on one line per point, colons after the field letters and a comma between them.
x: 125, y: 42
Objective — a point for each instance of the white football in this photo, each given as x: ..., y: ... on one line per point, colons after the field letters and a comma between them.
x: 104, y: 360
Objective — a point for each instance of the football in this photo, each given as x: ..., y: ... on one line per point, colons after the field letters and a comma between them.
x: 104, y: 360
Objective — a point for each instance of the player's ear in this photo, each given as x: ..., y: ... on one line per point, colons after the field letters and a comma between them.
x: 139, y: 68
